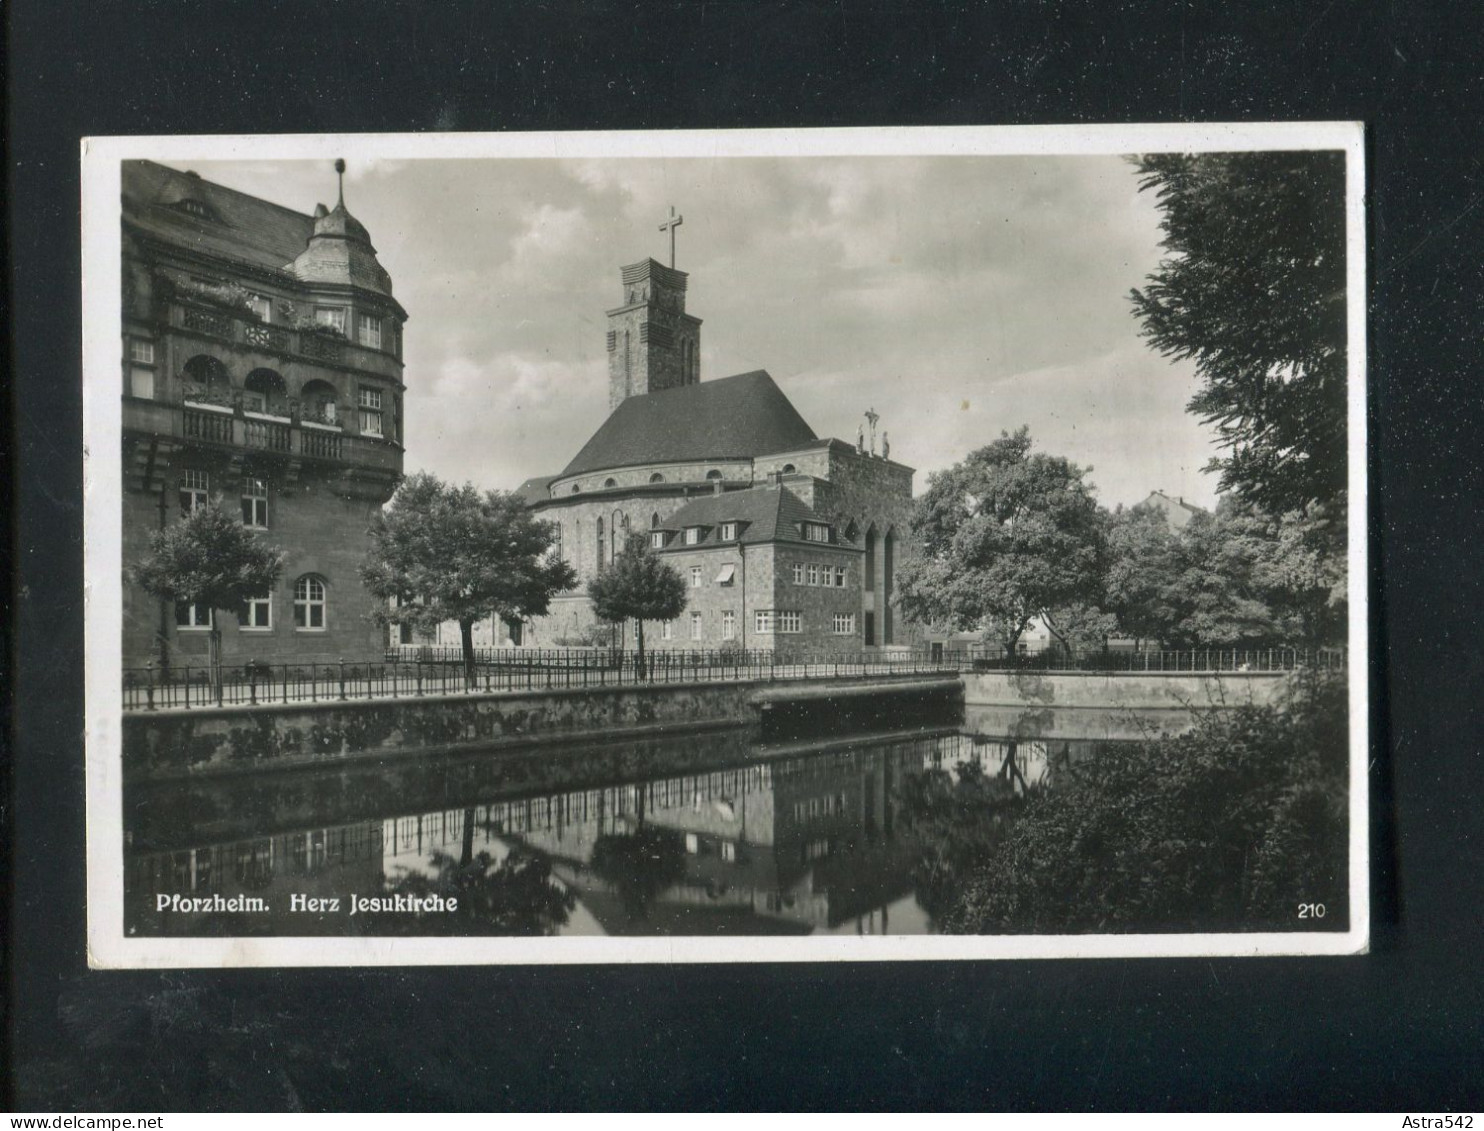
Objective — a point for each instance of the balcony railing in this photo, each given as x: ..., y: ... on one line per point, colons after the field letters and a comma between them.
x: 311, y: 344
x: 268, y: 434
x: 205, y: 423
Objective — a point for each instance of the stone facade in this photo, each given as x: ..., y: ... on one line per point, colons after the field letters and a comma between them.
x: 231, y: 392
x: 653, y: 343
x: 627, y: 481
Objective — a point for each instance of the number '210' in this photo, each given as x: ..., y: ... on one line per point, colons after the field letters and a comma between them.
x: 1311, y: 911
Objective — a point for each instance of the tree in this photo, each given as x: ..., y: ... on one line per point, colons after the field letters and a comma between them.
x: 1304, y: 575
x: 210, y: 560
x: 1217, y: 596
x: 1142, y: 565
x: 440, y: 552
x: 638, y: 585
x: 1253, y: 290
x: 1004, y: 536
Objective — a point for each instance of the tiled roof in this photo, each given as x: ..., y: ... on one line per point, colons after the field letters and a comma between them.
x: 534, y: 490
x: 244, y: 227
x: 764, y: 514
x: 731, y: 418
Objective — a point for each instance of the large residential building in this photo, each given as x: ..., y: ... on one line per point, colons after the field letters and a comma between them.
x: 788, y: 542
x: 262, y: 371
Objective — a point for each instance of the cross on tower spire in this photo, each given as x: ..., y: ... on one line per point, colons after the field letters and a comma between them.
x: 670, y: 225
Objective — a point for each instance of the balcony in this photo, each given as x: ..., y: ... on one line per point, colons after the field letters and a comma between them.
x: 199, y: 422
x: 263, y: 337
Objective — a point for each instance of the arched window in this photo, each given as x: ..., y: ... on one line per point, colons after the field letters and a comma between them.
x: 575, y: 488
x: 309, y: 603
x: 556, y: 539
x: 206, y: 379
x: 713, y: 474
x: 265, y: 391
x: 789, y: 469
x: 318, y: 402
x: 654, y: 520
x: 656, y: 478
x: 610, y: 482
x: 620, y: 532
x: 602, y: 544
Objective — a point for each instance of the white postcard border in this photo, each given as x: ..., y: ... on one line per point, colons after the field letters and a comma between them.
x: 109, y: 948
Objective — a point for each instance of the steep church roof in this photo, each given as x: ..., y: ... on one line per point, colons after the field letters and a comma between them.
x: 731, y: 418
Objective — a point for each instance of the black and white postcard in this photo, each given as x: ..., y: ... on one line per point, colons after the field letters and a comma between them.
x: 725, y: 546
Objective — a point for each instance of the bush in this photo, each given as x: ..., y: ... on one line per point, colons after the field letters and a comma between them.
x: 1227, y: 827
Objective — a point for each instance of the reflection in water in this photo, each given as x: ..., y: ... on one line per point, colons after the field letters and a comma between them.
x: 764, y: 840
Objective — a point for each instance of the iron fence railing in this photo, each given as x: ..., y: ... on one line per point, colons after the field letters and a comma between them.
x: 153, y: 688
x: 1185, y: 660
x: 422, y: 671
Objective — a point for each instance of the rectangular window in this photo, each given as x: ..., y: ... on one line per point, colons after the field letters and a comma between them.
x: 696, y: 624
x: 369, y: 401
x: 261, y: 307
x: 141, y: 352
x: 142, y: 382
x: 726, y: 574
x: 790, y: 622
x: 192, y: 616
x: 667, y: 630
x: 728, y: 531
x: 255, y: 503
x: 813, y: 575
x: 764, y: 620
x: 695, y: 577
x: 194, y: 487
x: 816, y: 532
x: 728, y: 625
x: 798, y: 574
x: 259, y: 613
x: 332, y: 316
x: 368, y: 331
x: 844, y: 624
x: 657, y: 540
x: 840, y: 577
x: 692, y: 535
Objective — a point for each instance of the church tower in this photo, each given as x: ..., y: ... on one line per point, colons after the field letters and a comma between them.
x: 653, y: 344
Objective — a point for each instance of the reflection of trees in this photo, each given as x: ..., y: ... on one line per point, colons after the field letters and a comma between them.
x: 955, y: 824
x: 513, y: 897
x: 640, y: 865
x: 1226, y: 827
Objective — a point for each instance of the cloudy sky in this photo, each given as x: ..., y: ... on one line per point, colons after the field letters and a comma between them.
x: 957, y: 295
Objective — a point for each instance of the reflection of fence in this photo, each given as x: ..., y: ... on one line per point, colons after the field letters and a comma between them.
x: 155, y: 688
x: 1187, y: 660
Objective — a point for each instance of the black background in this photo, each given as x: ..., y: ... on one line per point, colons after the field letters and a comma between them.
x: 1400, y: 1028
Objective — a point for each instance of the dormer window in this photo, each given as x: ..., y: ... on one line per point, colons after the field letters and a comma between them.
x: 657, y: 539
x: 816, y: 532
x: 728, y: 531
x: 692, y: 535
x: 198, y: 208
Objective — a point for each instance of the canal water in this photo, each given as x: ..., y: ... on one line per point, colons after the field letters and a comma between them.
x: 728, y: 832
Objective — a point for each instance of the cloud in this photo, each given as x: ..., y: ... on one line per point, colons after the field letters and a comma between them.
x: 956, y: 295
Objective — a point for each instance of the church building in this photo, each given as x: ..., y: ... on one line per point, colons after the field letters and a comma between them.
x: 788, y: 541
x: 261, y: 369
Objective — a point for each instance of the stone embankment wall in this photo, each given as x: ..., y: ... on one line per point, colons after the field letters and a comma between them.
x: 1126, y: 691
x: 179, y: 743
